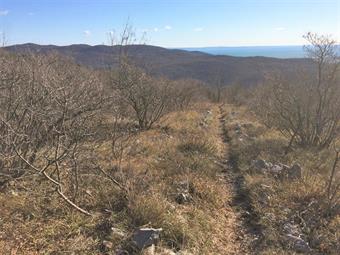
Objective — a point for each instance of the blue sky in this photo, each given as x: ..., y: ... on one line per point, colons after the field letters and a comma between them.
x: 169, y: 23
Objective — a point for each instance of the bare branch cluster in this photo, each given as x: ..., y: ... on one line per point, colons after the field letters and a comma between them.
x: 48, y: 106
x: 306, y: 107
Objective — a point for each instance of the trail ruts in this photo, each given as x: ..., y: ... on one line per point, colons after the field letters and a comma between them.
x: 250, y: 231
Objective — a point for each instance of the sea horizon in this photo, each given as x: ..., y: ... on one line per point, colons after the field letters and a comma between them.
x: 282, y: 51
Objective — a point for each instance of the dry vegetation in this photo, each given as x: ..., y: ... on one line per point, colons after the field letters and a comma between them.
x: 285, y: 122
x: 82, y: 169
x: 89, y: 157
x: 281, y: 204
x: 159, y: 165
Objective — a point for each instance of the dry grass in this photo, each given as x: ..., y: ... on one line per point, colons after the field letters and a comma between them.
x: 301, y: 202
x: 183, y: 148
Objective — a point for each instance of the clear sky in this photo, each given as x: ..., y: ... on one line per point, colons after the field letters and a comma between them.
x: 169, y: 23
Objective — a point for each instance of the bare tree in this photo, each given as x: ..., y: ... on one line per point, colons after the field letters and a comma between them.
x: 184, y: 92
x: 147, y: 98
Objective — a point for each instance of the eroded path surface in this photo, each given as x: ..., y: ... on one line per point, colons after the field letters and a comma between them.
x: 247, y: 230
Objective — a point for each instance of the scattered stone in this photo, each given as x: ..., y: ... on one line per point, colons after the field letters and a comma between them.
x: 269, y: 165
x: 295, y: 172
x: 186, y: 187
x: 294, y: 238
x: 172, y: 207
x: 107, y: 245
x: 259, y: 164
x: 279, y: 170
x: 298, y: 244
x: 121, y: 252
x: 291, y: 173
x: 149, y: 250
x: 14, y: 193
x: 145, y: 237
x: 291, y: 229
x: 183, y: 185
x: 183, y: 198
x: 117, y: 232
x: 276, y: 169
x: 266, y: 186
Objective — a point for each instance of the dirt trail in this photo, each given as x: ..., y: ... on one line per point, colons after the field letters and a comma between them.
x: 248, y: 231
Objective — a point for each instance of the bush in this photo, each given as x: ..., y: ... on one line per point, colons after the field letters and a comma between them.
x: 305, y: 107
x: 148, y: 98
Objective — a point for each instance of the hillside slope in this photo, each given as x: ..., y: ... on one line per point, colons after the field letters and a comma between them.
x: 175, y: 182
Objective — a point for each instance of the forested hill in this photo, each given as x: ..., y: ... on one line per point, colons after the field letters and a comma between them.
x: 177, y: 64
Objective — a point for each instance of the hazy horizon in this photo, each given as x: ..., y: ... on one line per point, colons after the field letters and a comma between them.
x: 175, y: 47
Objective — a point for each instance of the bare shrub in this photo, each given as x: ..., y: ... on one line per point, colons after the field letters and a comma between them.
x: 145, y: 99
x: 306, y: 107
x: 184, y: 92
x: 48, y: 107
x: 149, y: 98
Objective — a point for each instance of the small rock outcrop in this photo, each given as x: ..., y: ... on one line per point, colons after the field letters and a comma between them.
x: 295, y: 239
x: 279, y: 170
x: 259, y: 164
x: 145, y: 237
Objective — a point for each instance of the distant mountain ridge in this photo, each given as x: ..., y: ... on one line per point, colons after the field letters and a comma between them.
x: 176, y: 63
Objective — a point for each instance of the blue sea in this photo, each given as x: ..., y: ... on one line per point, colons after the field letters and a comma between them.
x: 253, y: 51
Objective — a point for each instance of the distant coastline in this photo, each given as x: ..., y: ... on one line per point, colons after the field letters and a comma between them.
x: 295, y: 51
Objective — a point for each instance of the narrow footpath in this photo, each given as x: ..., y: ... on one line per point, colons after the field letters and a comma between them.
x: 249, y: 236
